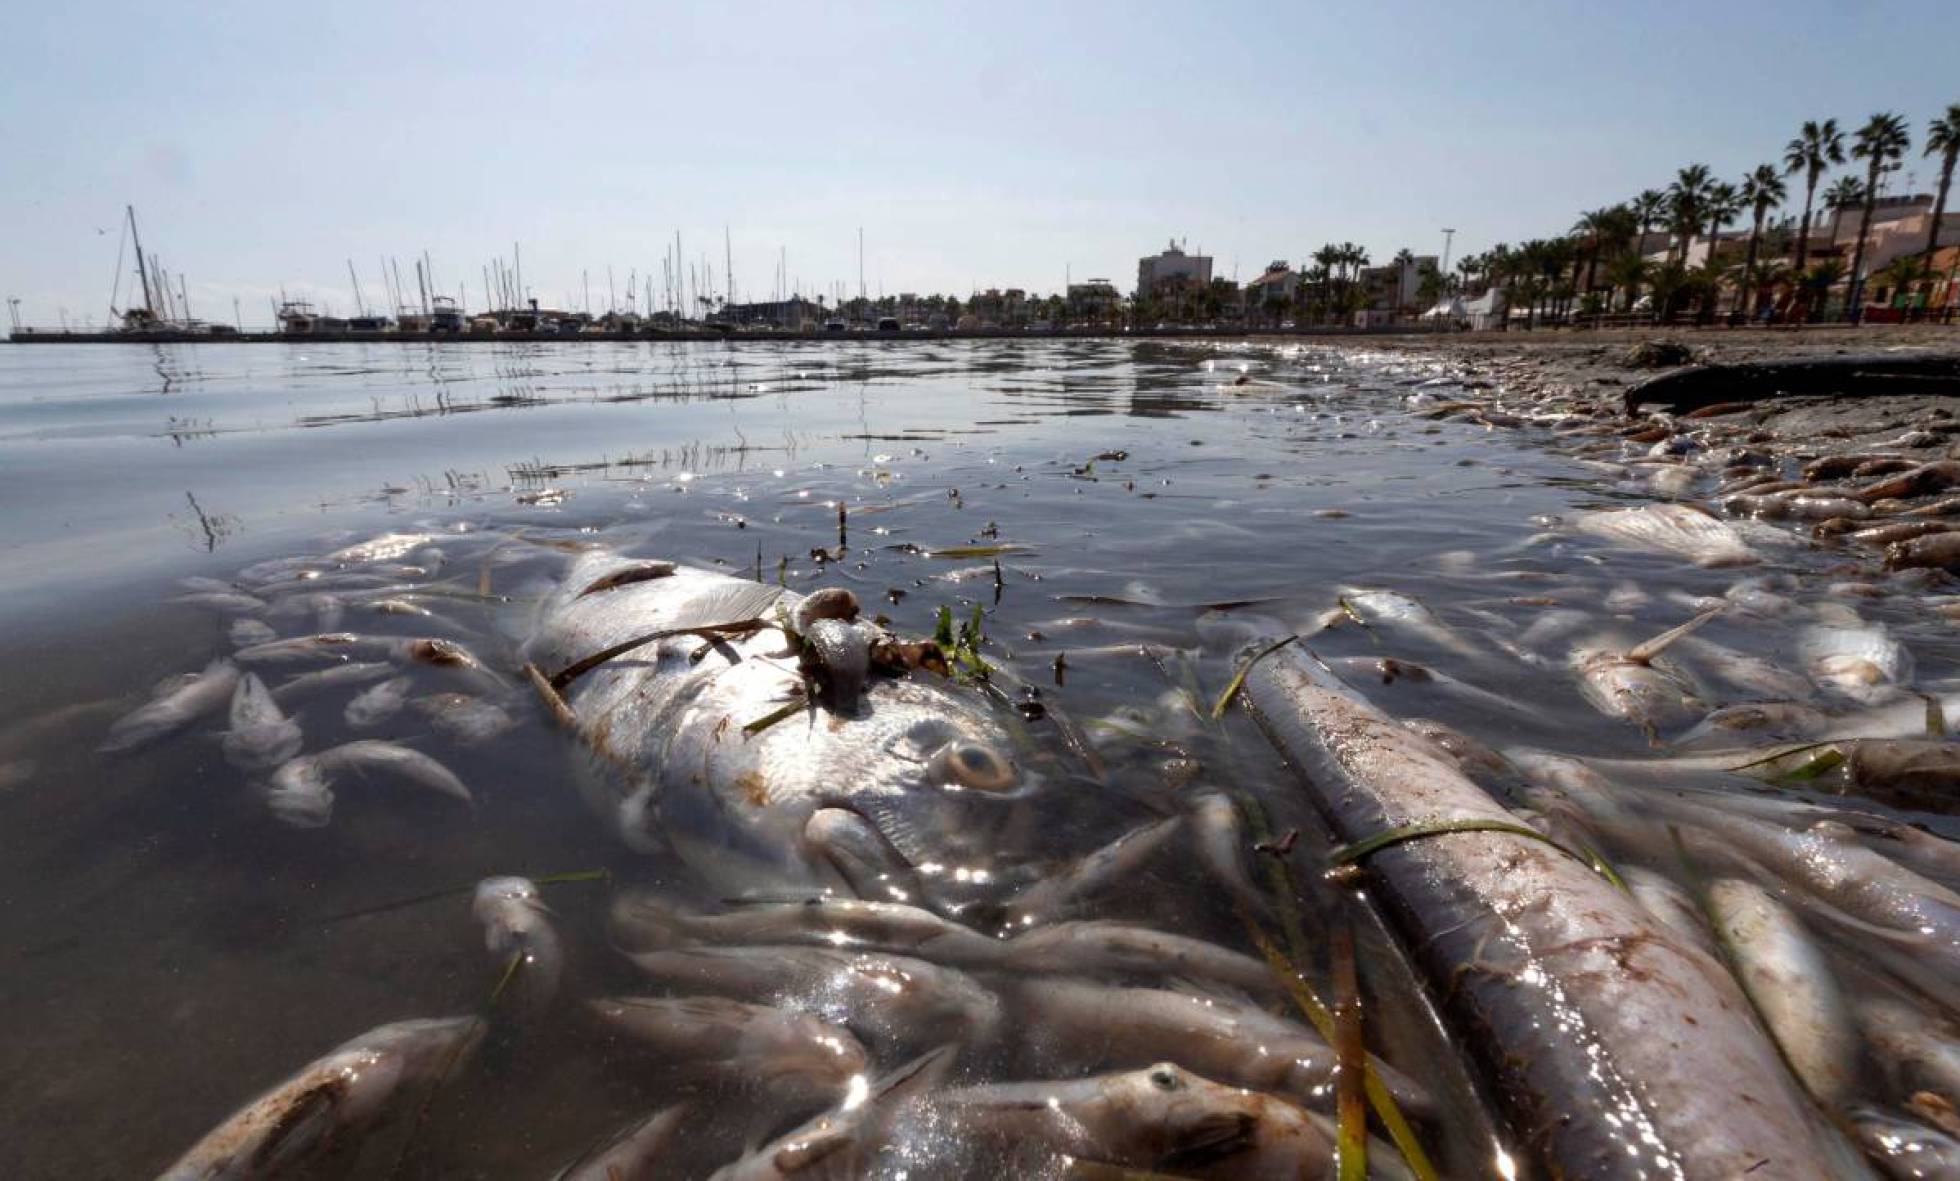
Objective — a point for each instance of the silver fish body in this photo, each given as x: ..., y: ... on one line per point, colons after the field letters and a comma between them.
x: 261, y: 737
x: 517, y: 931
x: 339, y: 1096
x: 796, y: 1055
x: 1161, y: 1118
x: 176, y: 709
x: 901, y: 795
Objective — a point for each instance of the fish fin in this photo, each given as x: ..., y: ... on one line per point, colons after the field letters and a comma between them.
x: 1644, y: 652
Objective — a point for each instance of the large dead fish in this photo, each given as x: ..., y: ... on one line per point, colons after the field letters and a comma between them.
x: 1620, y: 1051
x: 330, y: 1104
x: 705, y: 741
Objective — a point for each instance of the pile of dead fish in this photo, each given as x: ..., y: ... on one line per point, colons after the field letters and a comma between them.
x: 863, y: 1018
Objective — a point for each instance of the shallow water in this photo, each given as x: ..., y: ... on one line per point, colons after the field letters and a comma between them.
x: 177, y: 950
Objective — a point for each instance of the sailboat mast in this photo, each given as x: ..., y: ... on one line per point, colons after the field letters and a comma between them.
x: 141, y: 268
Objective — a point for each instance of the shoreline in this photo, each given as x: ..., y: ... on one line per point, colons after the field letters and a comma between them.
x: 1874, y: 480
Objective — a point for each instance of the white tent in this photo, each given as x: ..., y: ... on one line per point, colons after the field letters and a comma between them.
x: 1449, y: 309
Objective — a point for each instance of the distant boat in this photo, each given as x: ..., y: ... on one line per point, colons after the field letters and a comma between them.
x: 445, y: 315
x: 297, y: 318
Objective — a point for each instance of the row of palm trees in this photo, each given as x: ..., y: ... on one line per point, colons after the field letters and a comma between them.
x: 1544, y: 276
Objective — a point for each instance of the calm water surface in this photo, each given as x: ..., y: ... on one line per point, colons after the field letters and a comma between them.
x: 175, y: 950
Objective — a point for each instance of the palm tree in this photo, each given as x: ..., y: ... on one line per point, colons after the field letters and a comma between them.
x: 1845, y: 193
x: 1720, y: 207
x: 1593, y: 228
x: 1905, y: 271
x: 1685, y: 198
x: 1817, y: 147
x: 1647, y: 207
x: 1762, y: 191
x: 1942, y: 137
x: 1880, y: 143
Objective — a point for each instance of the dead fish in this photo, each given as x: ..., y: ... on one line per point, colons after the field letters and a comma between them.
x: 517, y: 931
x: 1856, y: 659
x: 229, y: 602
x: 1936, y: 476
x: 1218, y: 833
x: 467, y: 720
x: 1673, y: 530
x: 1921, y: 773
x: 1753, y: 723
x: 1893, y: 531
x: 638, y: 1153
x: 378, y: 703
x: 1673, y: 906
x: 1750, y: 674
x: 301, y: 791
x: 1935, y: 551
x: 843, y: 1142
x: 247, y: 632
x: 794, y: 1054
x: 334, y: 1100
x: 1072, y: 1023
x: 1161, y: 1118
x: 1917, y: 1049
x: 385, y: 548
x: 889, y: 1000
x: 261, y: 737
x: 173, y: 711
x: 325, y: 647
x: 646, y: 920
x: 1112, y: 865
x: 1790, y: 983
x: 1905, y: 1149
x: 1101, y: 948
x: 1654, y: 697
x: 340, y: 676
x: 1397, y: 612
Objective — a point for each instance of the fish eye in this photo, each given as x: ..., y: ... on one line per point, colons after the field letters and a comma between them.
x: 1164, y: 1078
x: 972, y: 765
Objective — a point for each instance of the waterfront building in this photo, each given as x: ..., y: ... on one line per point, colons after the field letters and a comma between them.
x: 1173, y: 266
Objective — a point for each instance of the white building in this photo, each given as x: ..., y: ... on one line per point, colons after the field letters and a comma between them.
x: 1173, y: 264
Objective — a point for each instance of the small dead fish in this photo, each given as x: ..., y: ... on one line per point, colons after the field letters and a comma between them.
x: 1788, y: 980
x: 841, y: 1142
x: 385, y: 548
x: 517, y: 926
x: 1161, y: 1117
x: 1922, y: 773
x: 247, y: 632
x: 261, y: 737
x: 173, y: 711
x: 335, y: 1099
x: 301, y: 791
x: 307, y: 684
x: 1905, y: 1149
x: 646, y: 920
x: 229, y: 602
x: 1395, y: 611
x: 1073, y: 1023
x: 1218, y: 832
x: 1935, y: 551
x: 889, y: 1000
x: 790, y: 1052
x: 467, y: 720
x: 637, y: 1153
x: 1650, y: 696
x: 378, y: 703
x: 325, y: 647
x: 1113, y: 864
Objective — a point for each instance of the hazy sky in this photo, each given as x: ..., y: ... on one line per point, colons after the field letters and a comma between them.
x: 977, y: 144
